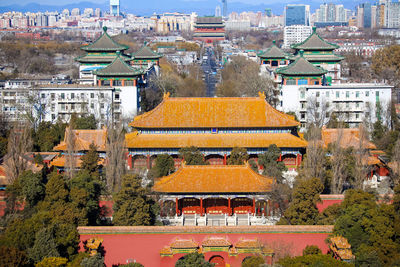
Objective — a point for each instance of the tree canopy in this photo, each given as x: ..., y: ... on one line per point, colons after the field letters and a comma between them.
x: 192, y: 156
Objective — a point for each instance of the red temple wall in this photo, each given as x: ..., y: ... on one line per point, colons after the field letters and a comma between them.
x: 145, y: 248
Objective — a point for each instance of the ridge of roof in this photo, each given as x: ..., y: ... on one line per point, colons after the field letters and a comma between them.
x: 145, y: 52
x: 273, y: 52
x: 301, y: 66
x: 220, y: 112
x: 213, y: 179
x: 118, y: 68
x: 105, y: 43
x: 314, y: 42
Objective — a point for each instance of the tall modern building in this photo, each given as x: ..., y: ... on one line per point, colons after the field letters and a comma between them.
x: 297, y: 15
x: 225, y: 8
x: 218, y: 11
x: 114, y: 7
x: 364, y: 15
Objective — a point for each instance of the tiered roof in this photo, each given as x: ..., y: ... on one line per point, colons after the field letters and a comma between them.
x: 60, y: 161
x: 273, y: 52
x: 315, y: 42
x: 216, y: 242
x: 83, y: 140
x: 184, y: 243
x: 301, y: 67
x: 104, y: 44
x: 283, y: 140
x: 119, y: 68
x: 145, y: 53
x: 209, y: 22
x: 214, y: 112
x: 214, y: 179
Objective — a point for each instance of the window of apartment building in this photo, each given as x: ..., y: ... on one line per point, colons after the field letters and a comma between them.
x: 317, y: 94
x: 347, y: 104
x: 327, y: 93
x: 53, y: 96
x: 73, y: 106
x: 366, y: 93
x: 53, y: 107
x: 72, y: 95
x: 92, y: 105
x: 357, y: 94
x: 53, y: 117
x: 347, y: 94
x: 303, y: 116
x: 117, y: 96
x: 91, y: 95
x: 116, y: 116
x: 337, y: 94
x: 357, y: 105
x: 62, y: 96
x: 62, y: 106
x: 357, y: 116
x: 302, y: 94
x: 43, y: 95
x: 101, y: 95
x: 303, y: 105
x: 82, y: 95
x: 317, y: 104
x: 101, y: 105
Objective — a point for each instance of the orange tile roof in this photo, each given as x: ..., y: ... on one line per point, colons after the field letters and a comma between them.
x: 216, y: 242
x: 166, y: 250
x: 2, y: 171
x: 213, y: 179
x: 350, y: 137
x: 248, y: 243
x: 60, y: 162
x: 184, y: 243
x: 135, y: 140
x: 83, y: 139
x: 213, y: 112
x: 340, y: 242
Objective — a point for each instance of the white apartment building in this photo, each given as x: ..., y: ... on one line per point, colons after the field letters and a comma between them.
x: 295, y: 34
x: 352, y: 103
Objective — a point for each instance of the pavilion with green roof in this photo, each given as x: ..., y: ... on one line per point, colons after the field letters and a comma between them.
x: 301, y: 72
x: 320, y: 53
x: 144, y: 56
x: 118, y: 73
x: 98, y: 55
x: 274, y: 56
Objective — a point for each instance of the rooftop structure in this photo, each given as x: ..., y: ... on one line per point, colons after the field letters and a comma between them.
x: 209, y: 29
x: 145, y: 56
x: 274, y: 56
x: 215, y: 126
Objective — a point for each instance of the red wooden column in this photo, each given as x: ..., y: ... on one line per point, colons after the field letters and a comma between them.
x: 201, y: 206
x: 224, y: 159
x: 148, y: 161
x: 130, y: 161
x: 229, y: 206
x: 99, y: 82
x: 254, y: 205
x: 176, y: 206
x: 280, y: 157
x: 111, y: 82
x: 134, y: 82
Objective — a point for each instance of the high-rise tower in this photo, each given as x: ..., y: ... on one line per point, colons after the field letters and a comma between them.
x: 225, y: 8
x: 114, y: 7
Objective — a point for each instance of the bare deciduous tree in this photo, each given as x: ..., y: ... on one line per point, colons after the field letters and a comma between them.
x: 338, y: 160
x: 318, y: 111
x: 313, y: 164
x: 19, y: 142
x: 395, y: 165
x: 361, y: 167
x: 70, y: 160
x: 115, y: 150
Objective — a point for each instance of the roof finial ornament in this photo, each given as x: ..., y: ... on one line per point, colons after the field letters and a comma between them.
x: 105, y: 28
x: 166, y: 95
x: 314, y: 29
x: 118, y: 53
x: 145, y: 43
x: 301, y: 52
x: 261, y: 94
x: 274, y: 42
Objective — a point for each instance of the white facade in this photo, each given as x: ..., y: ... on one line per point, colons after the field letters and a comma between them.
x: 52, y: 102
x: 352, y: 103
x: 295, y: 34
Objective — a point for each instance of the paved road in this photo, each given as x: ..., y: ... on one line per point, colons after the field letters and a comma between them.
x: 209, y: 67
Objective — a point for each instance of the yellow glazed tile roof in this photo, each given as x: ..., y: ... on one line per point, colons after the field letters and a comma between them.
x: 213, y: 179
x: 216, y: 242
x: 248, y: 243
x: 184, y: 243
x: 349, y: 138
x: 213, y: 112
x: 83, y: 139
x: 340, y: 242
x: 135, y: 140
x: 60, y: 162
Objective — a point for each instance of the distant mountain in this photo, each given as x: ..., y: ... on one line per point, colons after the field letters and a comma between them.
x: 149, y: 7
